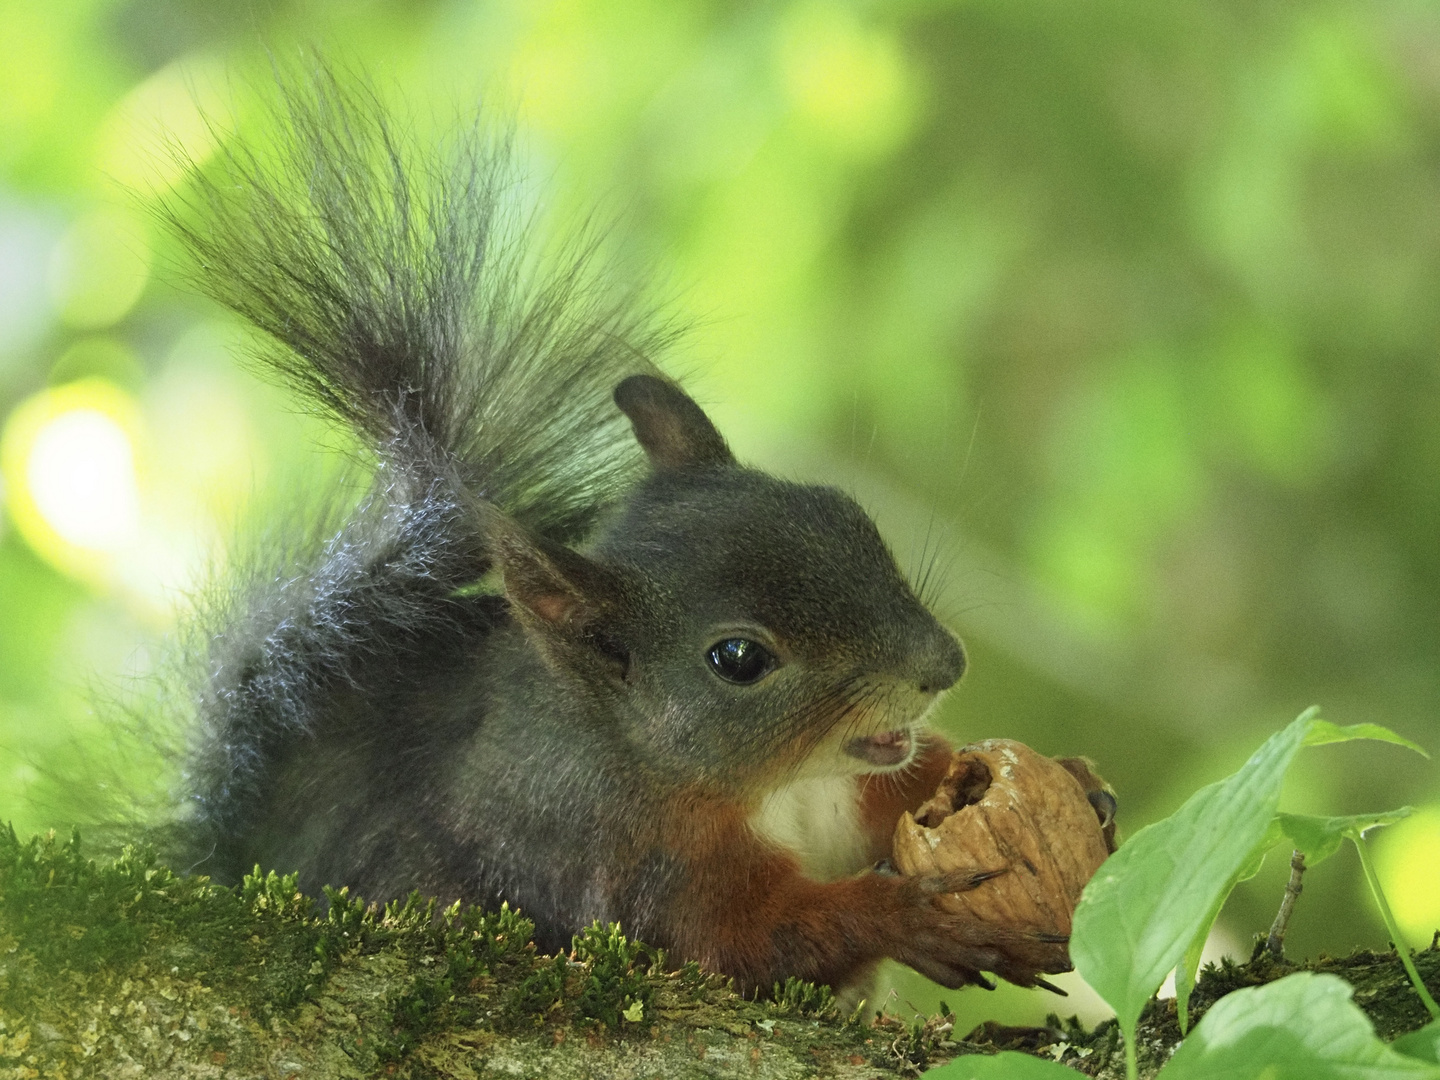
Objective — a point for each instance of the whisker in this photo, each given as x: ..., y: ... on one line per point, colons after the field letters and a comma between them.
x: 772, y: 736
x: 970, y: 448
x: 816, y: 734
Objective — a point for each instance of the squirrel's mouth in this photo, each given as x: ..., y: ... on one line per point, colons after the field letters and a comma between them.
x: 887, y: 748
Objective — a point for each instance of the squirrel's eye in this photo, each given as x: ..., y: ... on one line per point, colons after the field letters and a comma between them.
x: 740, y: 660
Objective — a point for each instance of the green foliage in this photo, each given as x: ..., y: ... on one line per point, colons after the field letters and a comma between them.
x: 692, y: 978
x: 1161, y: 891
x: 1320, y: 732
x: 1320, y: 837
x: 1151, y: 905
x: 1423, y: 1044
x: 75, y: 915
x: 494, y: 937
x: 345, y: 923
x: 1356, y: 835
x: 1302, y: 1027
x: 108, y: 954
x: 275, y: 894
x: 413, y: 1012
x: 913, y: 1045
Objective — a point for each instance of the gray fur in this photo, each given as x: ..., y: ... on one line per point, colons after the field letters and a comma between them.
x: 368, y: 718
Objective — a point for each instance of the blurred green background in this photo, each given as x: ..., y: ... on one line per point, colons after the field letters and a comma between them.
x: 1124, y: 316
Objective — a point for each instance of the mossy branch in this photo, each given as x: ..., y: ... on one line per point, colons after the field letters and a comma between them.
x: 124, y: 968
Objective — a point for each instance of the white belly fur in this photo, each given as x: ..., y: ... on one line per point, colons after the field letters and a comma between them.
x: 817, y: 819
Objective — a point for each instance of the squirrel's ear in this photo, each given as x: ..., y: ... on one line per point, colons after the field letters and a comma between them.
x: 674, y: 431
x: 558, y: 595
x: 553, y: 584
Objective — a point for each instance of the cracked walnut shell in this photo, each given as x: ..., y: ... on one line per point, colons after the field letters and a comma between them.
x: 1001, y: 805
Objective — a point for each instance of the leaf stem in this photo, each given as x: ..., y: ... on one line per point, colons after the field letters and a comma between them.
x: 1374, y: 882
x: 1275, y: 943
x: 1132, y: 1064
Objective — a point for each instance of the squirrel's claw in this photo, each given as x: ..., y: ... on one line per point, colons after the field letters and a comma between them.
x: 1105, y: 806
x: 951, y: 976
x: 960, y: 880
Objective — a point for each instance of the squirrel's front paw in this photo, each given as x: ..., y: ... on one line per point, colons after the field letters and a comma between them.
x: 954, y: 949
x: 1098, y: 793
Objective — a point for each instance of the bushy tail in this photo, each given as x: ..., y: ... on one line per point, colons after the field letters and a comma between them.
x: 402, y: 297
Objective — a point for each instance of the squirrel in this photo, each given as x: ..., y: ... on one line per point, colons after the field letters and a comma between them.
x: 565, y: 651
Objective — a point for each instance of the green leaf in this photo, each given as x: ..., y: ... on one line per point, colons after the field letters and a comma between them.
x: 1302, y: 1027
x: 1423, y: 1044
x: 1146, y: 907
x: 1187, y: 969
x: 1006, y: 1066
x: 1323, y: 732
x: 1320, y: 837
x: 1154, y: 897
x: 1189, y: 965
x: 1252, y: 865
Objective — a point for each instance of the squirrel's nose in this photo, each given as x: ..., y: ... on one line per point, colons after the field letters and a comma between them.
x: 943, y: 664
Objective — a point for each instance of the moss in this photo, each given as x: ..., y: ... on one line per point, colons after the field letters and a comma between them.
x: 614, y: 986
x: 800, y: 998
x: 126, y: 969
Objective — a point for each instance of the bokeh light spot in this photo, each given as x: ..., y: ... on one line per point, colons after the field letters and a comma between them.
x: 68, y: 460
x: 165, y: 123
x: 851, y: 82
x: 1406, y: 857
x: 81, y: 474
x: 99, y: 268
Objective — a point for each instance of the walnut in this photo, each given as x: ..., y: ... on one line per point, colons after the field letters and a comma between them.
x: 1001, y: 805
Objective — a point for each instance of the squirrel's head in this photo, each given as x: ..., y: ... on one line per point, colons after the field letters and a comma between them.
x: 742, y: 626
